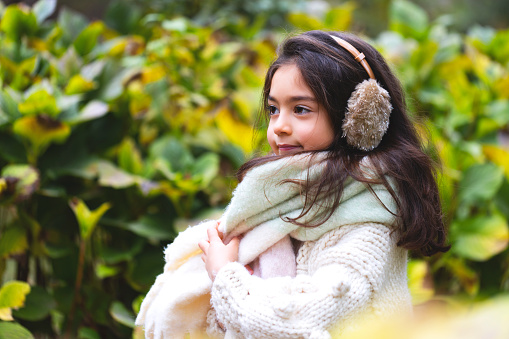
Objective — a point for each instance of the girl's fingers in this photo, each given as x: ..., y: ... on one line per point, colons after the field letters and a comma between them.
x: 219, y: 233
x: 212, y: 233
x: 204, y: 258
x: 204, y: 246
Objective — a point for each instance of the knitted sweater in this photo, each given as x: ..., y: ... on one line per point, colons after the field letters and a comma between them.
x: 352, y: 271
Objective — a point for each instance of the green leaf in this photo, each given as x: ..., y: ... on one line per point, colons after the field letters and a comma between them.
x: 408, y: 19
x: 144, y: 269
x: 136, y: 304
x: 422, y: 58
x: 12, y: 295
x: 122, y: 17
x: 121, y: 314
x: 11, y: 149
x: 13, y: 241
x: 126, y: 252
x: 171, y: 150
x: 500, y: 46
x: 93, y: 110
x: 8, y: 108
x: 206, y: 168
x: 72, y: 23
x: 129, y: 157
x: 480, y: 182
x: 87, y: 219
x: 480, y: 238
x: 178, y: 25
x: 502, y: 199
x: 38, y: 103
x: 42, y: 9
x: 87, y: 39
x: 152, y: 227
x: 112, y: 176
x: 14, y: 331
x: 38, y: 305
x: 497, y: 110
x: 18, y: 22
x: 88, y: 333
x: 104, y: 271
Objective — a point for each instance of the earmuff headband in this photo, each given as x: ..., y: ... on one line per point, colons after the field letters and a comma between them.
x: 359, y: 57
x: 368, y: 109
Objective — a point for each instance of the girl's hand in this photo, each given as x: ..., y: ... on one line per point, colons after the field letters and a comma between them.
x: 215, y: 253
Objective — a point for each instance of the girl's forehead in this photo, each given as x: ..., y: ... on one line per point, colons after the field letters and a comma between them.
x: 288, y: 78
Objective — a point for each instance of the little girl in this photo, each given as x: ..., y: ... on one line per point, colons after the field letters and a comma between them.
x: 316, y: 235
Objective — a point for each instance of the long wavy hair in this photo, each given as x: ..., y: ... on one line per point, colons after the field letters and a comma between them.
x: 332, y: 74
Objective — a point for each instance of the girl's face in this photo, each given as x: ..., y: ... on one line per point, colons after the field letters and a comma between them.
x: 297, y: 121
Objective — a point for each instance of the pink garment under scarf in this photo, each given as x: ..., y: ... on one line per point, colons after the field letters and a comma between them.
x: 277, y: 261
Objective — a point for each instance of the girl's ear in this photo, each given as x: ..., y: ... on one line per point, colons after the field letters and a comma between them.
x: 367, y: 116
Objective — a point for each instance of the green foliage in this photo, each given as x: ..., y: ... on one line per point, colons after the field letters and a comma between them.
x: 115, y: 135
x: 458, y: 85
x: 107, y: 141
x: 14, y: 331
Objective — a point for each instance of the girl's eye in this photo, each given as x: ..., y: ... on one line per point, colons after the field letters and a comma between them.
x: 301, y: 110
x: 272, y: 110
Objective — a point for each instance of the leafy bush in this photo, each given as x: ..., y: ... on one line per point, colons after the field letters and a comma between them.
x: 127, y: 130
x: 112, y: 141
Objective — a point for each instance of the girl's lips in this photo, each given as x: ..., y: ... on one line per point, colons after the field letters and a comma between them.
x: 287, y: 148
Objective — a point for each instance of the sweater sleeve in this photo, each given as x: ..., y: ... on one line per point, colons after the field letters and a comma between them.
x: 336, y: 279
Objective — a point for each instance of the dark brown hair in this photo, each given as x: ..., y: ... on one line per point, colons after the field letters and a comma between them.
x: 332, y: 74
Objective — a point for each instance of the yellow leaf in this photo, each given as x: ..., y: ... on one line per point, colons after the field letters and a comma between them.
x: 340, y: 18
x: 304, y: 21
x: 79, y: 84
x: 236, y: 132
x: 41, y: 131
x: 139, y: 102
x: 39, y: 103
x: 501, y: 87
x: 6, y: 314
x: 152, y: 74
x: 13, y: 241
x: 419, y: 281
x: 498, y: 156
x: 3, y: 185
x: 12, y: 295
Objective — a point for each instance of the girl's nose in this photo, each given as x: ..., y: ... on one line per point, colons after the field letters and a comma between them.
x: 282, y: 125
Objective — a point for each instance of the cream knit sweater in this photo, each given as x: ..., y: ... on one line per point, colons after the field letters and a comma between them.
x: 350, y: 272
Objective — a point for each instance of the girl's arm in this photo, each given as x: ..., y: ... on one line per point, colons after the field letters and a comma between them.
x: 337, y: 279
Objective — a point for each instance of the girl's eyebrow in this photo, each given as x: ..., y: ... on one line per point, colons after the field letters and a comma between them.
x: 295, y: 98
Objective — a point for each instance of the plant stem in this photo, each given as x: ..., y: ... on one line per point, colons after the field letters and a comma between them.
x: 77, y: 287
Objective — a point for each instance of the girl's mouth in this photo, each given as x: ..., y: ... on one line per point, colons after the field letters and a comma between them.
x: 287, y: 148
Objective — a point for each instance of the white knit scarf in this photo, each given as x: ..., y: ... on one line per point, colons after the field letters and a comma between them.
x: 179, y: 300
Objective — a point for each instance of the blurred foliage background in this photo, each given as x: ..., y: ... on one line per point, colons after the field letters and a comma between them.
x: 119, y: 129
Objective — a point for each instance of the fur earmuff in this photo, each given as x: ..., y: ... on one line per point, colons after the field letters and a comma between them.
x: 367, y: 116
